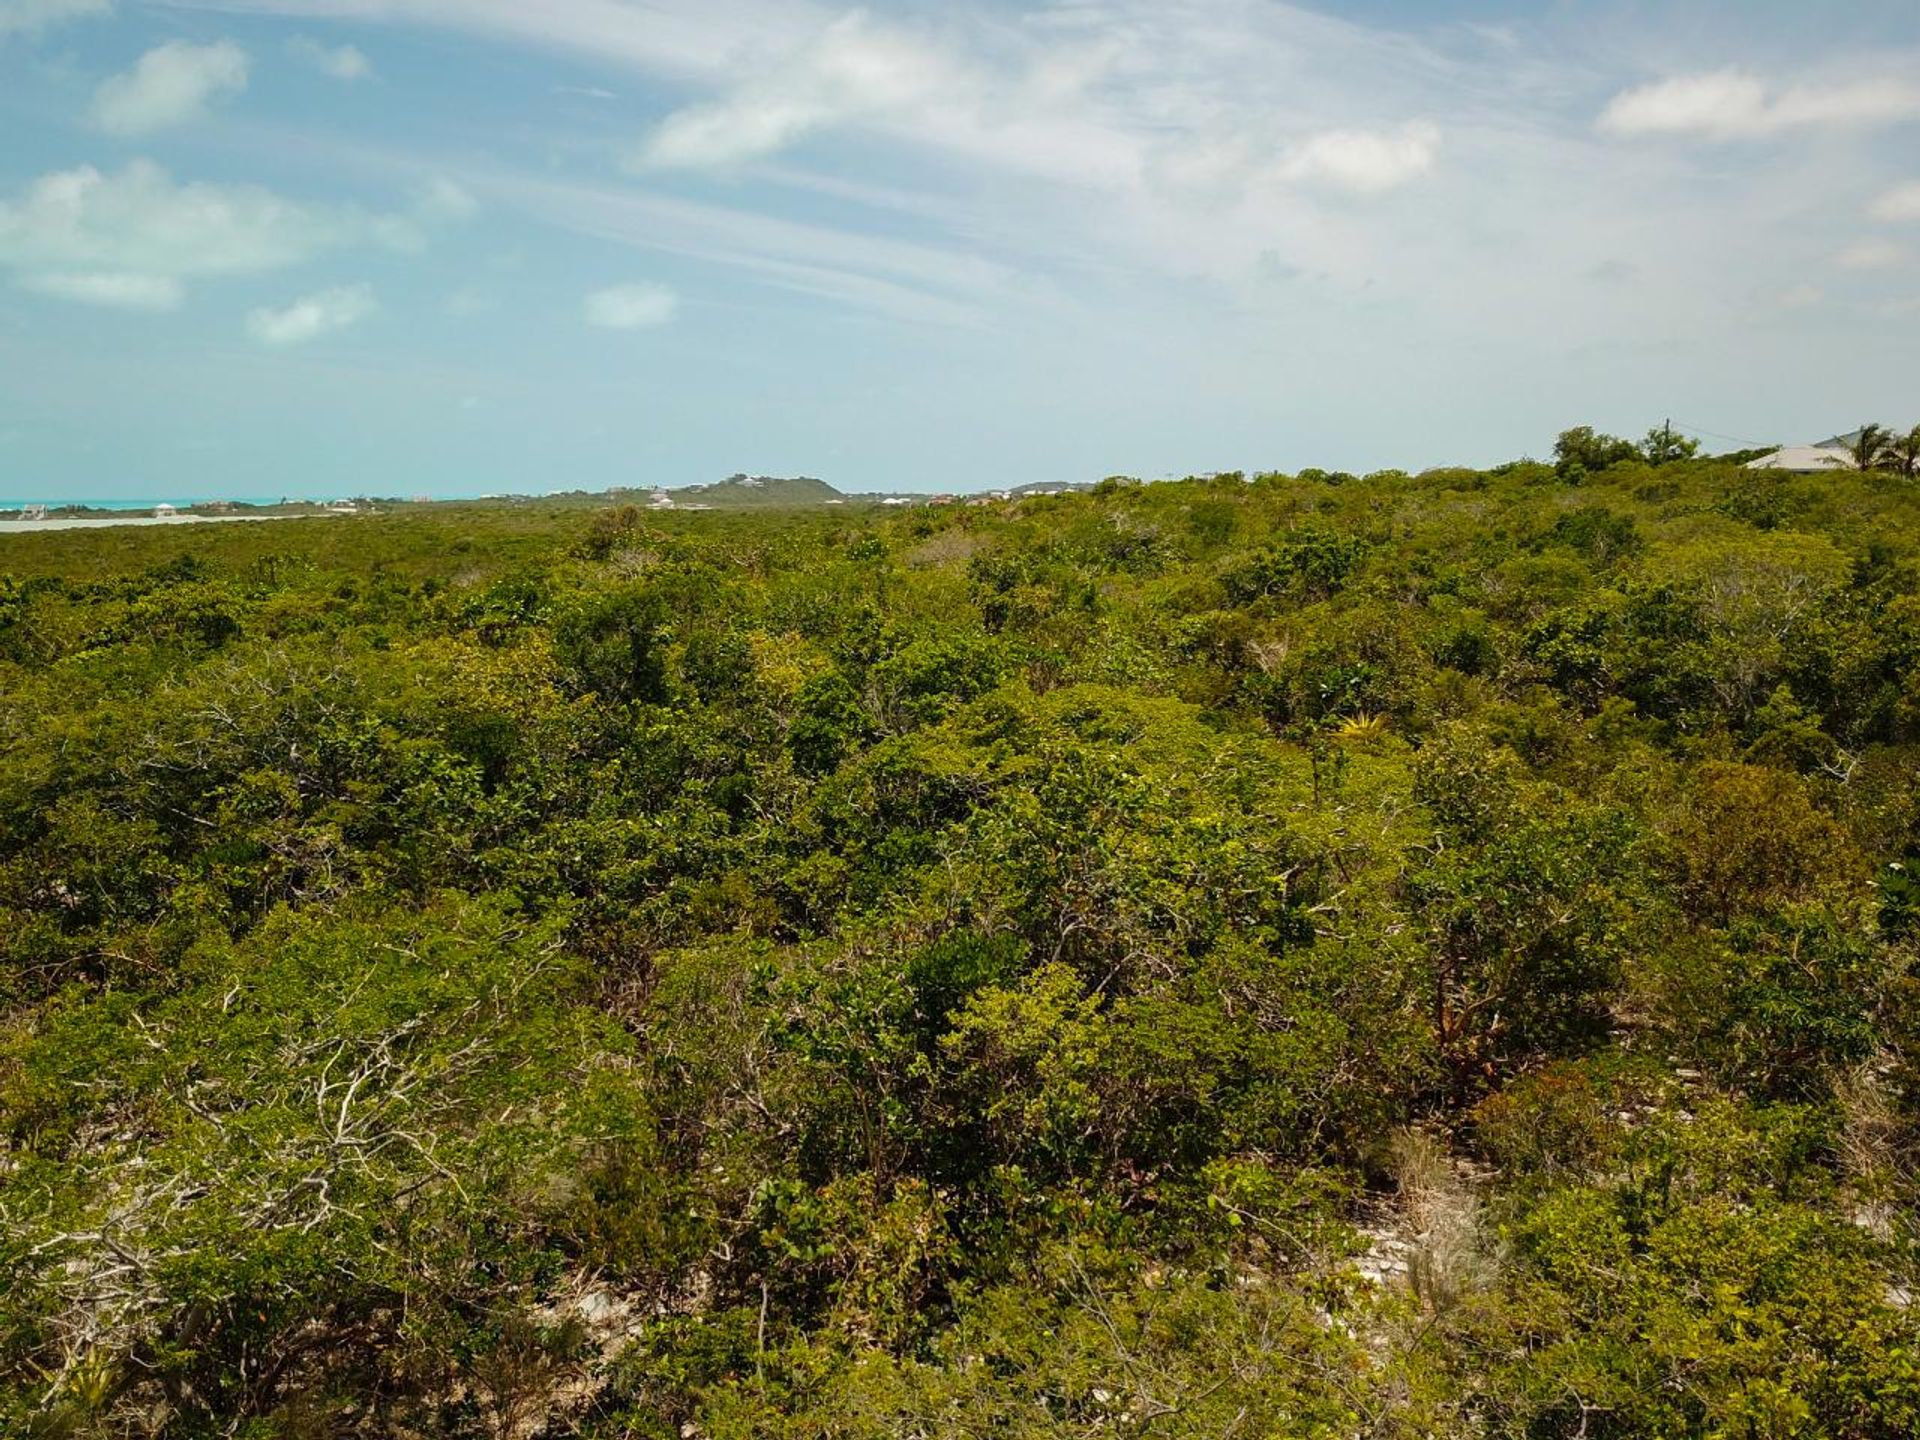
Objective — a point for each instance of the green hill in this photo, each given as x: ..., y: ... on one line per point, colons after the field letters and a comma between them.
x: 758, y: 492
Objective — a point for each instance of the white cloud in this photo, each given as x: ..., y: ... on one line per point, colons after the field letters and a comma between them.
x: 1898, y: 205
x: 854, y: 69
x: 445, y: 202
x: 1736, y: 105
x: 631, y: 307
x: 140, y: 232
x: 309, y: 318
x: 1803, y: 296
x: 1113, y: 96
x: 172, y: 85
x: 1072, y: 174
x: 345, y: 63
x: 728, y: 133
x: 117, y: 291
x: 1871, y: 255
x: 29, y: 17
x: 1014, y: 158
x: 1717, y: 103
x: 140, y: 221
x: 1365, y: 162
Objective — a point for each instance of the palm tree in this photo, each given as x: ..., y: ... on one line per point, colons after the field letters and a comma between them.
x: 1868, y: 449
x: 1903, y: 453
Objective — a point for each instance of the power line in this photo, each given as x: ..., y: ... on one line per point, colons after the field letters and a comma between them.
x: 1715, y: 434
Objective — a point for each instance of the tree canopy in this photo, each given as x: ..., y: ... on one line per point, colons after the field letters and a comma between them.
x: 1320, y: 955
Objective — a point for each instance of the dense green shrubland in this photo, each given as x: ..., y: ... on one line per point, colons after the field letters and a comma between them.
x: 1292, y: 956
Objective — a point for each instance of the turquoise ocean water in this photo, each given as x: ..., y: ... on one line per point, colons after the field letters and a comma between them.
x: 149, y: 504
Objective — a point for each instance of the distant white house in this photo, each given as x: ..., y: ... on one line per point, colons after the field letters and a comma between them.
x: 165, y: 512
x: 1828, y: 455
x: 1804, y: 460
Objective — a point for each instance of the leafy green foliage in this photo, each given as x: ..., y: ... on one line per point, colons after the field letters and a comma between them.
x: 1321, y: 955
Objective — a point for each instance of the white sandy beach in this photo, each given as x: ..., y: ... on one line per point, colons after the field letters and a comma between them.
x: 30, y: 527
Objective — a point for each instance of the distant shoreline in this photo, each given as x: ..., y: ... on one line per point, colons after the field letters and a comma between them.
x: 34, y: 527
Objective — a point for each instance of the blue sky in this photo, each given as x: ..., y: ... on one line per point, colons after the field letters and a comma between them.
x: 264, y: 247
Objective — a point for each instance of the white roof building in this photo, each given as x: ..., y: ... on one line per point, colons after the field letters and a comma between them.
x: 1805, y: 460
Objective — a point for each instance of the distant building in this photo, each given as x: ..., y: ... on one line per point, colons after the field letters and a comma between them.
x: 660, y: 500
x: 164, y: 512
x: 1805, y: 459
x: 34, y: 512
x: 1834, y: 454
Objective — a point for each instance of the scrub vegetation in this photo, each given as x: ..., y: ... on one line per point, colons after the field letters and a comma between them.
x: 1320, y: 956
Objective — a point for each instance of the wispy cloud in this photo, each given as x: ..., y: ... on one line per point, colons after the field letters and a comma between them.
x: 445, y: 202
x: 1898, y: 205
x: 631, y: 307
x: 686, y: 40
x: 1872, y: 255
x: 29, y: 17
x: 854, y: 69
x: 171, y: 85
x: 1102, y: 148
x: 313, y: 316
x: 1118, y: 223
x: 137, y: 236
x: 346, y: 63
x: 1101, y: 94
x: 1736, y: 105
x: 114, y: 291
x: 907, y: 280
x: 1365, y: 162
